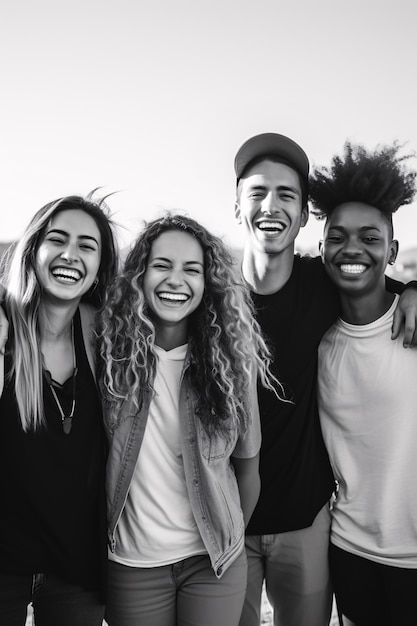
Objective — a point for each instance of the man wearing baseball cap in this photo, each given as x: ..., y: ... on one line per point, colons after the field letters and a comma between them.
x: 288, y: 535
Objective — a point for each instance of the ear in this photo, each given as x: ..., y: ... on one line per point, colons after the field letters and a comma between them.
x: 304, y: 216
x: 238, y: 215
x: 393, y: 252
x: 321, y: 250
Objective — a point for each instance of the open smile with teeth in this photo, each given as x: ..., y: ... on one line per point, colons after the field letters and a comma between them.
x: 67, y: 275
x: 177, y: 298
x: 270, y: 226
x: 352, y: 268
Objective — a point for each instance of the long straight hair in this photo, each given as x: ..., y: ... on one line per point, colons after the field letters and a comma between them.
x: 24, y: 296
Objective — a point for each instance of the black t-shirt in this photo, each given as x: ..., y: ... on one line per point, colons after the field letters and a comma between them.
x: 296, y: 477
x: 52, y: 484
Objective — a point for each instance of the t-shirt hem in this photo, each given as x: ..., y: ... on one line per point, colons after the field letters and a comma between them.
x: 403, y: 563
x: 148, y: 564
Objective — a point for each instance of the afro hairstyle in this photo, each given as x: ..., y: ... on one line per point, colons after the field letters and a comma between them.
x: 379, y: 178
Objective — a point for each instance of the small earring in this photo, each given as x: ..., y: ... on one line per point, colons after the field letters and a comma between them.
x: 94, y: 285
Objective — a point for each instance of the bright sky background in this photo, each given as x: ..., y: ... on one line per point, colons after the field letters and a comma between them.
x: 154, y: 98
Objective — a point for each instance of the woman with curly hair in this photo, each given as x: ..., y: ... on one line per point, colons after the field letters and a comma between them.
x: 181, y: 353
x: 52, y: 441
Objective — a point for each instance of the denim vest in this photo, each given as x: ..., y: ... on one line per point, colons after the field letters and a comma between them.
x: 210, y: 478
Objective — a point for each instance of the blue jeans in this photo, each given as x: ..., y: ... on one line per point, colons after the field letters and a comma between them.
x: 55, y: 601
x: 186, y: 593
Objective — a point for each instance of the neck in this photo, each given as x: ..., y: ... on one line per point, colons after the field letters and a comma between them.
x: 365, y: 309
x: 267, y: 273
x: 55, y: 320
x: 170, y: 337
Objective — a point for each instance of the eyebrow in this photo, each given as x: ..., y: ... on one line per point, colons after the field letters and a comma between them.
x: 362, y: 228
x: 162, y: 258
x: 65, y: 234
x: 279, y: 187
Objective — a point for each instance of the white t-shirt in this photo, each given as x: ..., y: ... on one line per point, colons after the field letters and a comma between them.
x: 368, y: 413
x: 157, y: 526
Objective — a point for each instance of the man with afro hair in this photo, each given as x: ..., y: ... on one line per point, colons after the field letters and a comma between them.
x: 287, y: 538
x: 367, y: 390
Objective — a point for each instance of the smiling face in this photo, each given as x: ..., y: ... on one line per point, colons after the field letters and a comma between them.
x: 269, y: 206
x: 173, y: 283
x: 357, y: 246
x: 68, y: 256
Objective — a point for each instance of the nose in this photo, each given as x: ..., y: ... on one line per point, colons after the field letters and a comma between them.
x: 175, y: 278
x: 269, y: 204
x: 70, y: 253
x: 352, y: 247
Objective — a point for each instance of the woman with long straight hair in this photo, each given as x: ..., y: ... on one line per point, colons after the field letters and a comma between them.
x: 52, y: 444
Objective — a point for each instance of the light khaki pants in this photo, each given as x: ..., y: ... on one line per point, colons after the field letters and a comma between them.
x: 295, y: 568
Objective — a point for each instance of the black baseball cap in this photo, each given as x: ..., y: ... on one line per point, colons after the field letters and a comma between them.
x: 272, y: 144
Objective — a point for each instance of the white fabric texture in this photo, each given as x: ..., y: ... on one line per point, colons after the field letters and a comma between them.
x: 368, y: 413
x: 157, y: 526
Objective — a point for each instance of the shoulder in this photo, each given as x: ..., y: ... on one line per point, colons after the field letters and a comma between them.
x: 310, y: 272
x: 308, y: 263
x: 88, y: 320
x: 88, y: 316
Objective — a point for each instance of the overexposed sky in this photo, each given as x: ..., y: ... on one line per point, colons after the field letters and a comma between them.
x: 155, y: 98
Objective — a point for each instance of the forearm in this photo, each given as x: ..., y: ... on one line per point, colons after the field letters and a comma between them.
x: 4, y: 326
x: 405, y: 315
x: 249, y: 483
x: 1, y: 373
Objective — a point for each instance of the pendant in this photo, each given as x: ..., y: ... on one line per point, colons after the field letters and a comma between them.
x: 67, y: 425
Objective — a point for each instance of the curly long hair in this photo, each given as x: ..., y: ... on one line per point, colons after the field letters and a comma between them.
x: 226, y: 345
x: 24, y: 295
x: 378, y: 178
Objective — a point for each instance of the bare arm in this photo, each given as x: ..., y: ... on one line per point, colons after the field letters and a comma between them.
x: 4, y: 324
x: 4, y: 327
x: 249, y: 483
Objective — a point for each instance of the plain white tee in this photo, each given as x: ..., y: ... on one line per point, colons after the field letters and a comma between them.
x: 157, y: 526
x: 368, y: 414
